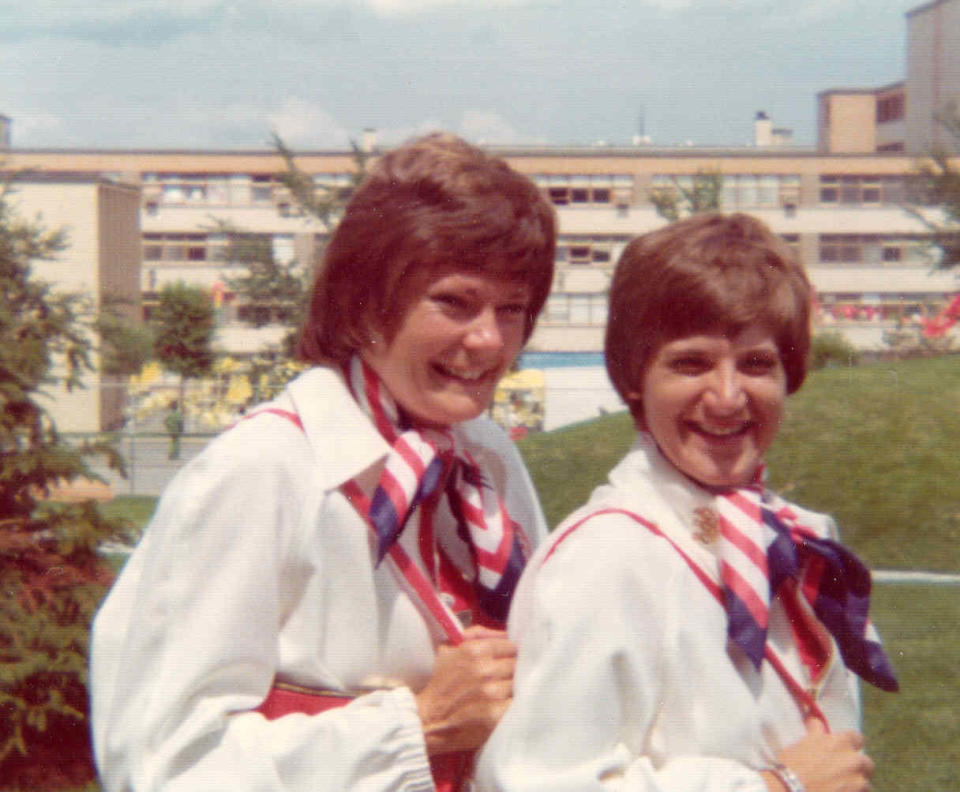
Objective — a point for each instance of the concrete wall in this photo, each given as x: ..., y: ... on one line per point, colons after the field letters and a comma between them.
x: 102, y: 259
x: 847, y: 122
x: 933, y: 73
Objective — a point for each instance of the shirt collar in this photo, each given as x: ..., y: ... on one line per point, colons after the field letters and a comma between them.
x: 343, y: 440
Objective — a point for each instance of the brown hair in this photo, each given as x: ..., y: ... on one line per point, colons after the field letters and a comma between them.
x: 436, y: 202
x: 707, y: 273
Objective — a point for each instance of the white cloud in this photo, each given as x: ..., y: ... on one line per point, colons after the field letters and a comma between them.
x: 38, y: 128
x: 302, y: 123
x: 405, y: 7
x: 46, y: 11
x: 489, y: 127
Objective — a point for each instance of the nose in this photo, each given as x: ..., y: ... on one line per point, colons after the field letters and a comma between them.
x: 725, y: 393
x: 485, y: 332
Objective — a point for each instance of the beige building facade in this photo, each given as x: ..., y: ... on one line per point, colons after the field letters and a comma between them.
x: 933, y: 74
x: 101, y: 262
x: 841, y: 212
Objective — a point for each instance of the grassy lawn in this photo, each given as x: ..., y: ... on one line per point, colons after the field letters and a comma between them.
x: 134, y: 509
x: 875, y: 446
x: 914, y: 736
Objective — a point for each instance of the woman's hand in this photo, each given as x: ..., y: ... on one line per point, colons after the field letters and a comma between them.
x: 470, y: 689
x: 826, y: 762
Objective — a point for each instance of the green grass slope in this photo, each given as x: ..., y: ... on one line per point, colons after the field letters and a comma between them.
x: 876, y: 446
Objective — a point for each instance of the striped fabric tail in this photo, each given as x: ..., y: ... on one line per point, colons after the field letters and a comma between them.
x: 744, y: 570
x: 499, y: 546
x: 414, y: 470
x: 837, y: 586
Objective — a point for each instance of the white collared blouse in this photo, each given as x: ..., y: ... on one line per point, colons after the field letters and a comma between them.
x: 624, y: 679
x: 255, y: 568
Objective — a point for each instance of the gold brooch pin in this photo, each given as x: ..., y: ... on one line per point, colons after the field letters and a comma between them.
x: 707, y: 522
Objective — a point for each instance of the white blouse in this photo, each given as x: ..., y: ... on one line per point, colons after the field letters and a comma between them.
x: 624, y: 678
x: 256, y: 568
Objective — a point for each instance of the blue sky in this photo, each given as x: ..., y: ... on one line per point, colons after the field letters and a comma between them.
x: 224, y: 73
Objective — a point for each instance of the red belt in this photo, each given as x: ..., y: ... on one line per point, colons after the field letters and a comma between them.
x: 450, y: 770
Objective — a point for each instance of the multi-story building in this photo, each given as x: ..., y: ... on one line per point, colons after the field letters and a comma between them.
x: 843, y: 213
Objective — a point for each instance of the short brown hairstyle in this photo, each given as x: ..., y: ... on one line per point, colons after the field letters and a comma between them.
x: 707, y: 273
x: 432, y: 204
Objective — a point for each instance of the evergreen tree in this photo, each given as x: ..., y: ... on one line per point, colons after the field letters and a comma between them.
x: 274, y: 291
x: 50, y: 573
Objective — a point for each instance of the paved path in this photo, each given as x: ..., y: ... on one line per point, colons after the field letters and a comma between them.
x: 903, y: 576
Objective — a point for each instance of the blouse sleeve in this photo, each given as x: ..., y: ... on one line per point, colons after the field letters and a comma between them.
x: 186, y: 645
x: 590, y: 620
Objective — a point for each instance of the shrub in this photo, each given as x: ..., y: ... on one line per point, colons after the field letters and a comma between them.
x: 830, y: 348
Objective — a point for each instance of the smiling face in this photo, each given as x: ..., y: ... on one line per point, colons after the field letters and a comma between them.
x: 714, y: 403
x: 458, y: 335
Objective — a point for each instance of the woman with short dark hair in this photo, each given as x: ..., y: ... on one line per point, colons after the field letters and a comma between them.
x: 688, y: 630
x: 296, y: 615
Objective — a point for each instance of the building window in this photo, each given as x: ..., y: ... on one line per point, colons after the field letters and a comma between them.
x: 890, y: 108
x: 583, y: 251
x: 861, y: 190
x: 873, y: 249
x: 741, y: 190
x: 586, y: 189
x: 588, y: 308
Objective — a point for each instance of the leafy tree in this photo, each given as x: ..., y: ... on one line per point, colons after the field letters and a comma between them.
x: 124, y: 344
x: 702, y: 195
x: 50, y: 573
x: 183, y: 326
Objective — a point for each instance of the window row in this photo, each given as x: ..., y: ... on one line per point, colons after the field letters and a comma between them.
x: 864, y: 190
x: 566, y: 189
x: 874, y: 249
x: 222, y: 189
x: 589, y: 250
x: 576, y: 309
x: 738, y: 190
x: 218, y: 247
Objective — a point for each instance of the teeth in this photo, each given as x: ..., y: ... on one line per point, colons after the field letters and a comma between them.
x: 723, y: 431
x: 470, y: 375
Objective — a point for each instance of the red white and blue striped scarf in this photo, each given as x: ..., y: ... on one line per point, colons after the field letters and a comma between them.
x: 427, y: 463
x: 765, y: 552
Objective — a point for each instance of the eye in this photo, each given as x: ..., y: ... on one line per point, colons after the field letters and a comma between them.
x: 513, y: 310
x: 760, y: 363
x: 690, y: 365
x: 451, y: 301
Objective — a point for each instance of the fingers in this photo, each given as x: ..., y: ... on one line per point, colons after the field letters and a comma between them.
x: 483, y: 642
x: 468, y: 692
x: 815, y: 726
x: 829, y: 762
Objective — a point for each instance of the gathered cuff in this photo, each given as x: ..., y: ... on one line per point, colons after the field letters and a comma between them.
x: 409, y: 746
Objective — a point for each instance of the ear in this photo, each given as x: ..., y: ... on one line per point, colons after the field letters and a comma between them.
x: 635, y: 403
